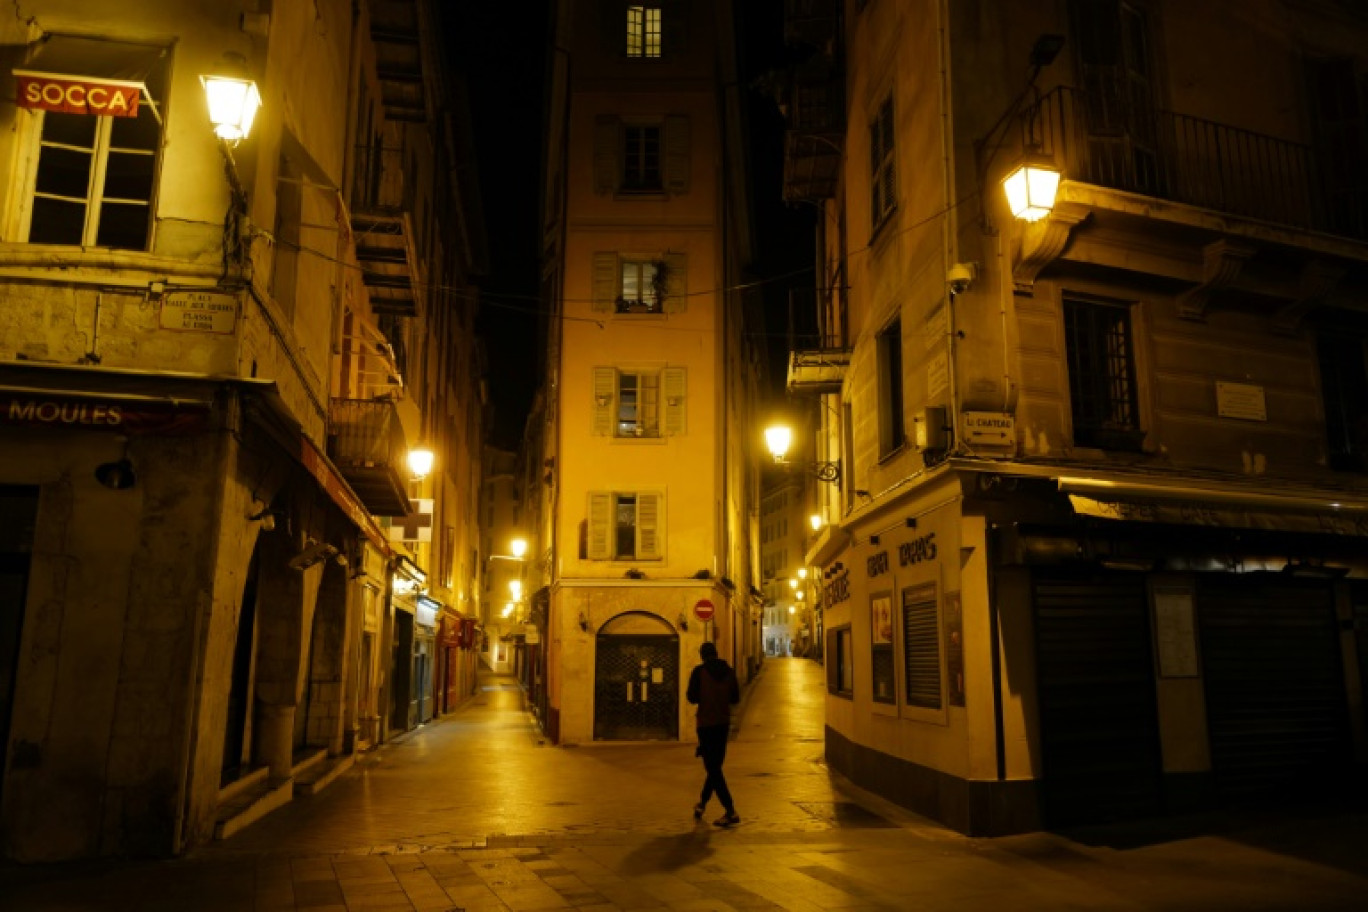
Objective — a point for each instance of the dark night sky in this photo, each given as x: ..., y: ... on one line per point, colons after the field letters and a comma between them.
x: 500, y: 50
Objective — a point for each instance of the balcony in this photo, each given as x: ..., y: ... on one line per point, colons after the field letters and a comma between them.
x: 1199, y: 163
x: 812, y: 23
x: 381, y: 205
x: 395, y: 31
x: 818, y: 361
x: 366, y: 443
x: 816, y: 129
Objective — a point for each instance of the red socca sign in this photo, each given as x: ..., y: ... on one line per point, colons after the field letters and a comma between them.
x: 79, y: 96
x: 703, y: 610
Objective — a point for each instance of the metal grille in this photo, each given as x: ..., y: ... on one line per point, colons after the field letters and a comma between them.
x: 636, y: 688
x: 921, y: 647
x: 1101, y: 374
x: 1274, y: 686
x: 1099, y: 729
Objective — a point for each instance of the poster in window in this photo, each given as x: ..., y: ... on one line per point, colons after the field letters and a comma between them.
x: 881, y: 618
x: 954, y: 649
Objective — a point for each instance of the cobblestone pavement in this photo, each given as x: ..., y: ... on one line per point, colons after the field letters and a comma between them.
x: 477, y: 812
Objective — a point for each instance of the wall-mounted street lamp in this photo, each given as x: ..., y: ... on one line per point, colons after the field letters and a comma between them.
x: 779, y: 437
x: 233, y: 100
x: 420, y: 461
x: 1031, y: 187
x: 518, y: 547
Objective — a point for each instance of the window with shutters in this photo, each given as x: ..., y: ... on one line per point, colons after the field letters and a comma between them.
x: 639, y: 403
x: 643, y: 31
x: 641, y: 157
x: 921, y: 647
x: 639, y: 284
x: 883, y: 182
x: 626, y: 525
x: 96, y: 176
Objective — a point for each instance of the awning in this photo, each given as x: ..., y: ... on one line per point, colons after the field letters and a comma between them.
x: 1194, y: 505
x: 85, y: 76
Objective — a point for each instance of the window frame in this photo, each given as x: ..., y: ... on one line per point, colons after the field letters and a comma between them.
x: 841, y: 662
x: 889, y: 359
x: 639, y: 31
x: 102, y: 147
x: 883, y: 174
x: 1093, y: 382
x: 604, y: 531
x: 671, y: 401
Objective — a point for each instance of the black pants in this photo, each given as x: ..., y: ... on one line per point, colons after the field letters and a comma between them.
x: 712, y: 747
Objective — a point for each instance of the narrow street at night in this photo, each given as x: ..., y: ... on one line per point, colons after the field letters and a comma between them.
x: 477, y: 812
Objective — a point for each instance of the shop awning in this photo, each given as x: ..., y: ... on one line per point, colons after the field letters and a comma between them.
x: 91, y: 76
x: 1193, y: 505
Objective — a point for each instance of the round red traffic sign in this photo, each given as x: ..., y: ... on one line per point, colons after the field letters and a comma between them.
x: 703, y: 610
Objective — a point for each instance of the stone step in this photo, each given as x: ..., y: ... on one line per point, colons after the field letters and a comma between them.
x: 249, y: 804
x: 321, y: 774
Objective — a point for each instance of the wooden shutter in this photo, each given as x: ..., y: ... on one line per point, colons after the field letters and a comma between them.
x: 649, y: 525
x: 606, y: 276
x: 674, y: 24
x: 600, y: 525
x: 607, y: 154
x: 605, y: 400
x: 676, y: 154
x: 672, y: 380
x: 676, y: 283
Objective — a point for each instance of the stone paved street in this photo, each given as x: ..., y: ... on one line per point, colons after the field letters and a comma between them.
x: 475, y: 812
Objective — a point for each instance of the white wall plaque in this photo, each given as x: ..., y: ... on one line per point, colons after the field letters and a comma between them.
x: 199, y: 311
x: 937, y: 375
x: 1176, y: 633
x: 994, y: 428
x: 1240, y: 400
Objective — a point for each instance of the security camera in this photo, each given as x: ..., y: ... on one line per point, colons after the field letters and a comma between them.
x: 960, y: 277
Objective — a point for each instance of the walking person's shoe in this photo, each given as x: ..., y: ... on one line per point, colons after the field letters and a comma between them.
x: 698, y: 811
x: 728, y: 819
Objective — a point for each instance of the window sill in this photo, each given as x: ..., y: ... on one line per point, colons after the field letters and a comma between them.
x: 15, y: 254
x: 885, y: 458
x: 880, y: 230
x: 658, y: 439
x: 843, y: 694
x: 658, y: 196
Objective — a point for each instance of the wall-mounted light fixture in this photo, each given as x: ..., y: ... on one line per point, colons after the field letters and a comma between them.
x: 583, y: 622
x: 779, y: 437
x: 420, y: 460
x: 682, y: 622
x: 117, y: 475
x: 233, y: 99
x: 1031, y: 187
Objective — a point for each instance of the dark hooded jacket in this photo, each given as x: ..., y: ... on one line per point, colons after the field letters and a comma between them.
x: 713, y: 687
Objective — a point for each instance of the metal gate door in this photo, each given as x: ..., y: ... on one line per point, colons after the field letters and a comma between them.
x: 1276, y: 705
x: 636, y: 688
x: 18, y: 516
x: 1099, y: 730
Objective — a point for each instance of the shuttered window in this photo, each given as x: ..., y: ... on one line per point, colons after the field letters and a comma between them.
x: 641, y: 156
x: 921, y: 646
x: 625, y: 525
x: 840, y: 663
x: 636, y: 283
x: 633, y: 404
x: 883, y: 181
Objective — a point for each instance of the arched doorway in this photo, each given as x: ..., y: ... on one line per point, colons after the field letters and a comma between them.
x: 636, y: 679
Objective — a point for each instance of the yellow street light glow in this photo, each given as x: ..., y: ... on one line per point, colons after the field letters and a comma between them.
x: 518, y: 546
x: 515, y: 587
x: 1031, y: 189
x: 420, y: 461
x: 777, y: 439
x: 816, y: 522
x: 233, y: 105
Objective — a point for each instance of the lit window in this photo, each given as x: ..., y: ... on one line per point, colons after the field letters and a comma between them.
x: 625, y: 526
x: 641, y: 291
x: 643, y: 31
x: 638, y: 405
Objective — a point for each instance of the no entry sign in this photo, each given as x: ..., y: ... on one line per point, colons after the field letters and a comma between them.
x: 703, y: 610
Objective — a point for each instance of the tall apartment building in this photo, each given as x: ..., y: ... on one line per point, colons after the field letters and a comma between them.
x: 1098, y: 549
x: 218, y: 576
x: 651, y: 485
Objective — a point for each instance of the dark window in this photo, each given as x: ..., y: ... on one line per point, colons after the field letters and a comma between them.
x: 892, y: 432
x: 1341, y: 135
x: 1344, y: 389
x: 641, y: 157
x: 1101, y: 375
x: 840, y: 663
x: 921, y: 647
x: 883, y: 182
x: 625, y: 524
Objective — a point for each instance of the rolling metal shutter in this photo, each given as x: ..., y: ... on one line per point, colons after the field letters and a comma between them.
x: 1276, y: 705
x: 1099, y: 733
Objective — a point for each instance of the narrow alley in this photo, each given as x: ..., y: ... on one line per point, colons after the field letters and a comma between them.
x: 476, y: 812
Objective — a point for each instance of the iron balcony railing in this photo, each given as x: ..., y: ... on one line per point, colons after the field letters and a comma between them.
x: 379, y: 181
x: 366, y: 442
x: 1100, y: 137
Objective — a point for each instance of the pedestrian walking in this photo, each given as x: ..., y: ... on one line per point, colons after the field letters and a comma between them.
x: 713, y: 689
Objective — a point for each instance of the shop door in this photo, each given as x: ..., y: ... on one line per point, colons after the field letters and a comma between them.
x: 1099, y: 729
x: 636, y: 688
x: 235, y: 747
x: 401, y: 674
x: 1276, y: 707
x: 422, y: 678
x: 18, y: 515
